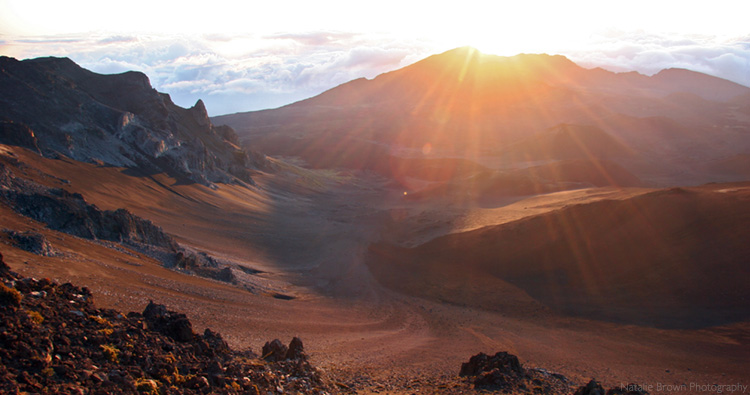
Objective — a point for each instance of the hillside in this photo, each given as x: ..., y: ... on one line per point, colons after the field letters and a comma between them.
x: 474, y: 106
x: 669, y: 258
x: 55, y: 107
x: 568, y: 142
x: 550, y: 177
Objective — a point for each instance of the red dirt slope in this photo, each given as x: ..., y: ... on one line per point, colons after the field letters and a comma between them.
x: 670, y: 258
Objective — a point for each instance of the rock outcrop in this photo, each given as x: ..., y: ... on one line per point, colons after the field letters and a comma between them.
x: 33, y: 242
x: 54, y: 340
x: 502, y: 361
x: 593, y: 387
x: 53, y: 106
x: 19, y: 135
x: 68, y: 212
x: 504, y: 372
x: 171, y: 324
x: 275, y: 350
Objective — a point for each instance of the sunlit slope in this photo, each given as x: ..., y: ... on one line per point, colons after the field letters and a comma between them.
x: 672, y: 258
x: 540, y: 179
x: 234, y: 221
x: 462, y: 103
x: 568, y: 142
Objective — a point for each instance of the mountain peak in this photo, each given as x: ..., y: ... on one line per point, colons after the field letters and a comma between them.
x: 703, y: 85
x: 199, y: 107
x: 463, y: 51
x: 62, y: 61
x: 469, y: 60
x: 469, y: 51
x: 199, y: 113
x: 116, y: 119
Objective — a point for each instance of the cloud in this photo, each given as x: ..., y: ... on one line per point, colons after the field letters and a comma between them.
x: 649, y: 53
x: 368, y: 58
x: 117, y: 39
x: 48, y: 41
x: 315, y: 38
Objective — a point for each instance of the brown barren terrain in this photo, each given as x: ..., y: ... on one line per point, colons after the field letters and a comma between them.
x: 308, y: 234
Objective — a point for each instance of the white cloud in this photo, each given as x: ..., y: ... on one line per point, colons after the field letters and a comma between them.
x: 649, y: 53
x: 316, y: 38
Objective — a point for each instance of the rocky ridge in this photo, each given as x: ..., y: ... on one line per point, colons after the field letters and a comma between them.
x: 53, y: 106
x: 69, y: 213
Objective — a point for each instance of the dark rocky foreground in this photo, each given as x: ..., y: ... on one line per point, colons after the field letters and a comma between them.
x: 53, y: 340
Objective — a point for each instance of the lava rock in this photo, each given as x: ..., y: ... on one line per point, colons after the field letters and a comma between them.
x: 504, y: 372
x: 296, y: 350
x: 274, y: 351
x: 172, y: 324
x: 502, y: 361
x: 154, y: 311
x: 216, y: 342
x: 32, y: 242
x: 592, y: 388
x: 46, y: 349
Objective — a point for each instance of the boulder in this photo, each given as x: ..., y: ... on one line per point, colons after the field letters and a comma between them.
x: 296, y: 349
x: 502, y: 361
x: 592, y: 388
x: 216, y: 342
x: 498, y: 371
x: 32, y: 242
x: 274, y: 351
x: 174, y: 325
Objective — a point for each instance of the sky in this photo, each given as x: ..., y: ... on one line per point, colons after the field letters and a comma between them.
x: 250, y: 55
